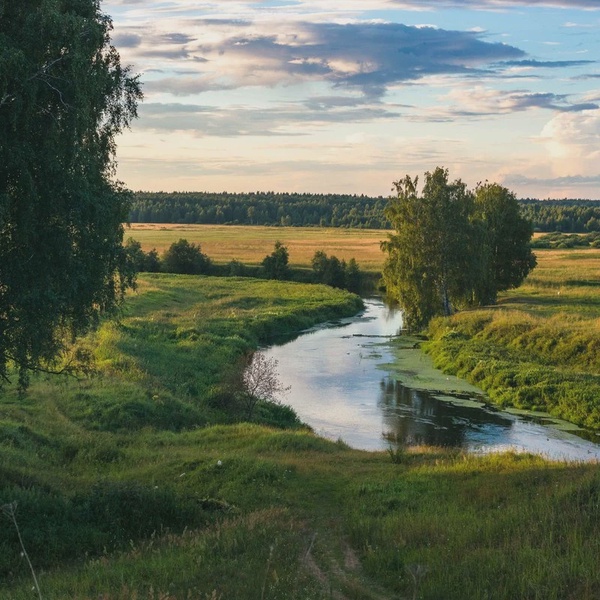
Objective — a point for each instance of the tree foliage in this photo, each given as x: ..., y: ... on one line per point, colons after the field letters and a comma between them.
x: 275, y: 265
x: 566, y: 216
x: 332, y: 271
x: 64, y: 96
x: 329, y: 270
x: 142, y: 262
x: 453, y: 247
x: 259, y: 208
x: 328, y: 210
x: 185, y: 258
x: 567, y: 240
x: 506, y: 241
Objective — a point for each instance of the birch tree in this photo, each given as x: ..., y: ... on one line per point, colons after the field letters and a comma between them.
x: 64, y: 97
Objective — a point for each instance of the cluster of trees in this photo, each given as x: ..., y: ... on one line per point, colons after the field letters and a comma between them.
x: 260, y: 208
x: 187, y: 258
x: 567, y: 216
x: 453, y: 247
x: 64, y: 96
x: 181, y: 257
x: 276, y: 264
x: 329, y: 270
x: 329, y: 210
x: 332, y: 271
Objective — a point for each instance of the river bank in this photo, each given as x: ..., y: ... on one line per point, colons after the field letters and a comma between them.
x: 128, y: 485
x: 539, y: 348
x: 364, y: 381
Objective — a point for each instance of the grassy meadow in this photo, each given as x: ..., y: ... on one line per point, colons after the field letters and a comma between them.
x: 144, y: 480
x: 250, y: 244
x: 539, y: 348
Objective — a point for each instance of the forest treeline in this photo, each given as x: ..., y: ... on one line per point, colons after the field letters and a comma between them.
x: 328, y: 210
x: 260, y: 208
x: 565, y: 216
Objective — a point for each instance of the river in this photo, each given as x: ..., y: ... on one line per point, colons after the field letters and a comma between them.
x: 348, y: 382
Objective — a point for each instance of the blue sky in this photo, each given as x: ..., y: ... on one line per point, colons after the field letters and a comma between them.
x: 327, y: 96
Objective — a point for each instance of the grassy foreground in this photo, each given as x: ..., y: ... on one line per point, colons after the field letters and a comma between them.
x: 539, y: 348
x: 138, y: 482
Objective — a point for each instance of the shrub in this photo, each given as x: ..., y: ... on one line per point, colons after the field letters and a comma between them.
x: 185, y: 258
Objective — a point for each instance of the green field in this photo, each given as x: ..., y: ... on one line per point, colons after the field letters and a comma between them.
x: 143, y: 480
x: 539, y: 348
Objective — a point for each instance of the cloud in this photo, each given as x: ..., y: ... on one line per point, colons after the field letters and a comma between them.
x: 330, y: 91
x: 548, y: 64
x: 575, y: 186
x: 366, y: 56
x: 244, y: 121
x: 560, y: 182
x: 183, y: 5
x: 498, y: 4
x: 571, y: 25
x: 481, y: 102
x: 572, y: 141
x: 127, y: 40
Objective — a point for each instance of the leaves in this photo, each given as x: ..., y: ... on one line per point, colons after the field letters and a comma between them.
x: 275, y: 265
x: 63, y: 98
x: 452, y: 247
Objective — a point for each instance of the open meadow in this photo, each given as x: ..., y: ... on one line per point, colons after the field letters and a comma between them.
x: 539, y: 348
x: 249, y: 244
x: 145, y: 480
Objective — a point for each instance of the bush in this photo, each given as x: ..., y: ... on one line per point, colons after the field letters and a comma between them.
x: 275, y: 265
x: 186, y: 259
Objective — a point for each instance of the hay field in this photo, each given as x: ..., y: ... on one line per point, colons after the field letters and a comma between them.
x: 250, y: 244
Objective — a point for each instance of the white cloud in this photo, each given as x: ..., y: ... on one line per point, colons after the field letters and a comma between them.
x: 573, y: 143
x: 369, y: 56
x: 313, y: 93
x: 470, y: 102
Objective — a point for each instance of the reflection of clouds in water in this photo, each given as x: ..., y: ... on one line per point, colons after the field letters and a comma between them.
x: 337, y: 388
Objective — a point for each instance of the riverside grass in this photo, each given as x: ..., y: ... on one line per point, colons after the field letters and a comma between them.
x: 539, y: 348
x: 133, y: 485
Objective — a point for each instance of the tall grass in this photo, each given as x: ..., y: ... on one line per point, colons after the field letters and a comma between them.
x: 140, y: 483
x: 540, y: 347
x: 493, y: 527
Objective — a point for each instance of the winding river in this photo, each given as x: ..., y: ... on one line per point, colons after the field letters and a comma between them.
x: 348, y: 382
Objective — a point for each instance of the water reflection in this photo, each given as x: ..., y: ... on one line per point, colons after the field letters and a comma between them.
x: 416, y: 417
x: 339, y: 387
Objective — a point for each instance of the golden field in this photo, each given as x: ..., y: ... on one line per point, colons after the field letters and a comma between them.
x: 250, y: 244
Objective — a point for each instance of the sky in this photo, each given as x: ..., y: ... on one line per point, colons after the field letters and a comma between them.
x: 348, y: 96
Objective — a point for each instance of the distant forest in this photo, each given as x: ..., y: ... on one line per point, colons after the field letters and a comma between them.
x: 328, y: 210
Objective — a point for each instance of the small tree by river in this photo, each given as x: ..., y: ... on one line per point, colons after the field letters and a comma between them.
x: 260, y: 383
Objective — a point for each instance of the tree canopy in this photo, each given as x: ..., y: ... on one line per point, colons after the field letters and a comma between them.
x: 327, y: 210
x: 275, y: 265
x: 452, y: 247
x: 506, y: 242
x: 64, y: 96
x: 185, y: 258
